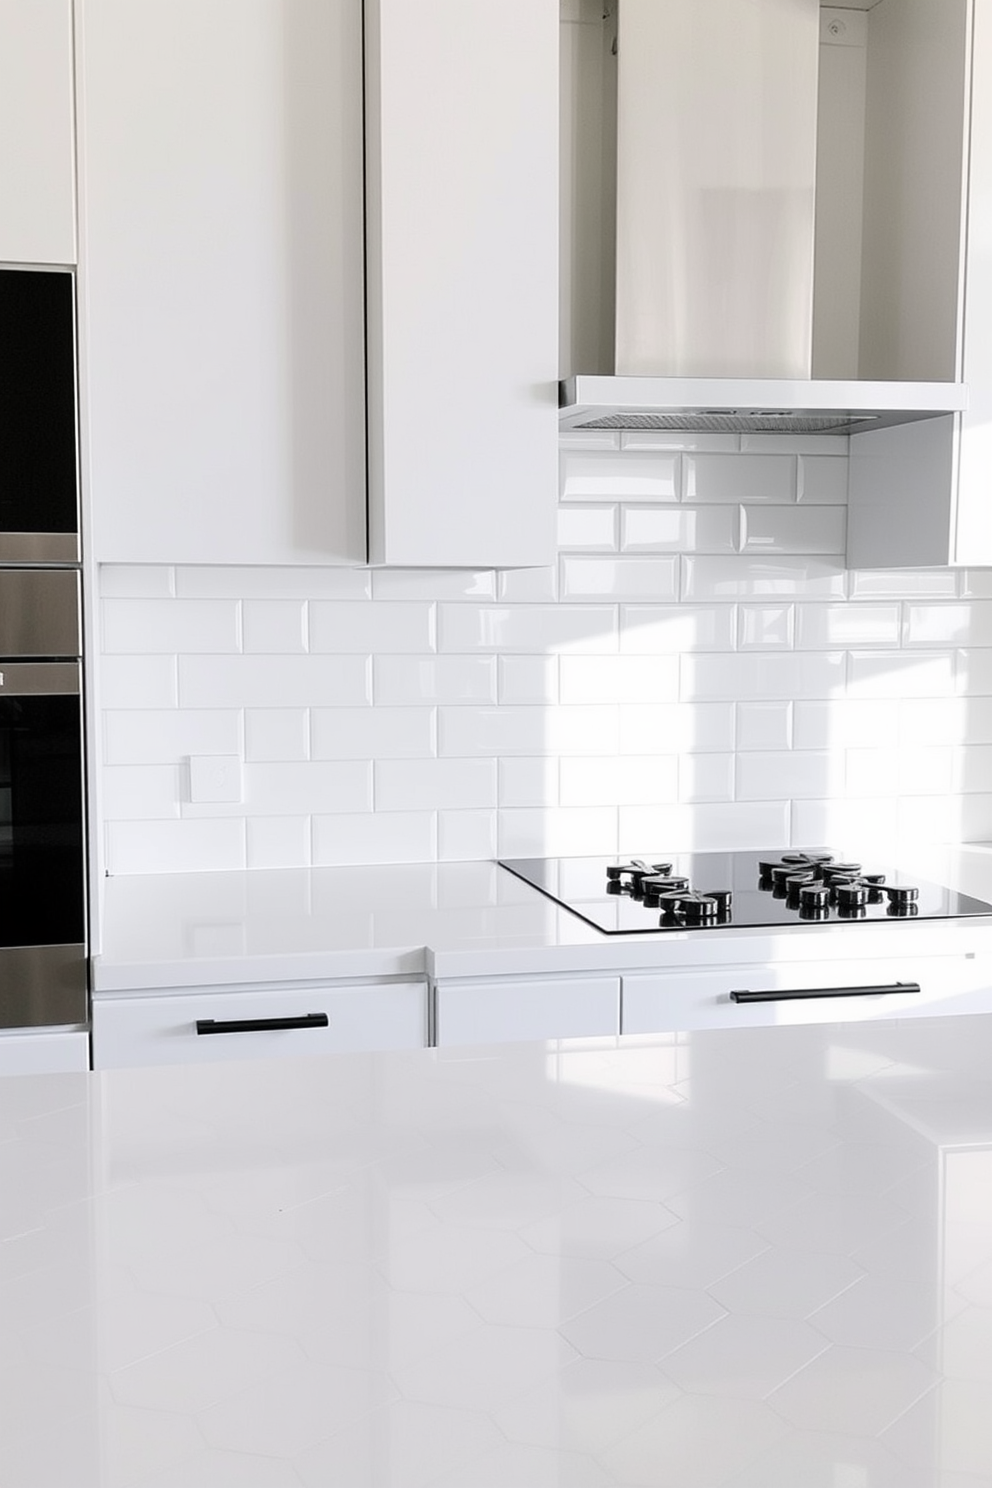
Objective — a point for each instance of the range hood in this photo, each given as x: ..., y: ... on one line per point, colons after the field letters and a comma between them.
x: 751, y: 405
x: 717, y: 154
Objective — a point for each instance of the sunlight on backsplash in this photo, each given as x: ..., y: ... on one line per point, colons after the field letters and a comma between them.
x: 698, y: 671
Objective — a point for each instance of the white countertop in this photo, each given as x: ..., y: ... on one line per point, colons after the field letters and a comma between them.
x: 747, y: 1259
x: 448, y: 919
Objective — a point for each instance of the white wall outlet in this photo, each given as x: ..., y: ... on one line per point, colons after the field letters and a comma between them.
x: 215, y: 777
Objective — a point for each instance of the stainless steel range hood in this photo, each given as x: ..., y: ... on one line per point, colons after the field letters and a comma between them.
x: 716, y: 122
x: 751, y: 405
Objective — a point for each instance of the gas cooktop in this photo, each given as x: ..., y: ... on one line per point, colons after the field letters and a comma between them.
x: 712, y: 891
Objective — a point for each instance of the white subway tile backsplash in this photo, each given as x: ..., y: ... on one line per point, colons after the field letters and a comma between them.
x: 137, y: 581
x: 152, y: 736
x: 529, y: 782
x: 277, y: 734
x: 929, y: 583
x: 765, y: 726
x: 138, y: 626
x: 822, y: 479
x: 620, y: 781
x: 457, y: 784
x: 528, y: 679
x: 527, y: 585
x: 759, y: 675
x: 793, y: 529
x: 653, y: 630
x: 372, y: 628
x: 278, y: 841
x: 949, y: 625
x: 794, y: 774
x: 971, y: 768
x: 308, y: 787
x: 175, y: 846
x: 273, y: 681
x: 892, y: 675
x: 405, y: 680
x: 749, y: 577
x: 563, y: 831
x: 975, y: 583
x: 680, y: 439
x: 837, y: 446
x: 274, y: 583
x: 679, y: 529
x: 766, y: 627
x: 275, y: 626
x: 716, y: 827
x: 619, y: 578
x: 463, y: 836
x: 141, y: 792
x: 869, y: 824
x: 625, y: 476
x: 431, y: 584
x: 466, y: 732
x: 590, y: 528
x: 667, y: 728
x: 846, y: 723
x: 618, y: 679
x: 974, y: 672
x: 827, y: 627
x: 589, y: 439
x: 728, y: 479
x: 372, y: 733
x: 528, y: 628
x: 706, y: 777
x: 139, y: 681
x: 375, y: 837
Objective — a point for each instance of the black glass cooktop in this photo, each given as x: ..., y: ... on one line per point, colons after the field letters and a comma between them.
x: 711, y: 891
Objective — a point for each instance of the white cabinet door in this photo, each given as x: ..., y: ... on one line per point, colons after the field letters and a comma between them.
x: 221, y: 247
x: 37, y: 177
x: 504, y: 1011
x: 260, y: 1023
x: 44, y: 1052
x: 462, y: 200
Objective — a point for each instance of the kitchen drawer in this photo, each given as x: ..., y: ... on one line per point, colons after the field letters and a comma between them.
x: 44, y: 1052
x: 669, y: 1002
x: 495, y: 1011
x: 163, y: 1028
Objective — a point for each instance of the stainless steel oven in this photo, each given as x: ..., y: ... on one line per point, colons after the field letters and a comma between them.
x: 43, y: 964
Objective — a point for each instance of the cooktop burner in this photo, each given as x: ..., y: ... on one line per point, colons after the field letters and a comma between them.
x: 710, y: 891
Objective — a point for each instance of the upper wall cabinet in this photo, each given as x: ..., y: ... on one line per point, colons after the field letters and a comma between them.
x: 462, y: 203
x: 221, y: 279
x: 37, y: 193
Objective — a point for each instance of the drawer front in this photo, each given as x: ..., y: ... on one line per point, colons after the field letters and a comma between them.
x: 665, y: 1002
x: 493, y: 1012
x: 44, y: 1053
x: 163, y: 1029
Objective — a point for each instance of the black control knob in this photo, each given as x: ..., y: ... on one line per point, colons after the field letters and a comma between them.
x: 852, y: 895
x: 722, y: 898
x: 900, y: 895
x: 696, y: 909
x: 813, y: 897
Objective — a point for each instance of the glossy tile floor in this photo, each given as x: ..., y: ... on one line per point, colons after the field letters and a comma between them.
x: 753, y: 1259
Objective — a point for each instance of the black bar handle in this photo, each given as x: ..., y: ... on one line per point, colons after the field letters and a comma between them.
x: 260, y: 1025
x: 794, y: 993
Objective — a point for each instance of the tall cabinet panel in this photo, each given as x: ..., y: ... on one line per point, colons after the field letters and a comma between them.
x: 37, y: 206
x: 221, y: 279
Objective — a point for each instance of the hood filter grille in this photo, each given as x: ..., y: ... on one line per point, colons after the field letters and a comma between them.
x: 732, y: 422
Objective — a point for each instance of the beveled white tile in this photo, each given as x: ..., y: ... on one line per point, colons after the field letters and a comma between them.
x: 277, y: 734
x: 429, y: 584
x: 274, y: 626
x: 975, y: 583
x: 971, y: 768
x: 464, y: 732
x: 707, y: 827
x: 278, y: 842
x: 135, y: 682
x: 527, y: 585
x: 273, y: 681
x: 382, y: 626
x: 751, y: 576
x: 676, y: 727
x: 465, y: 836
x: 528, y: 679
x: 823, y: 478
x: 136, y: 581
x: 372, y: 733
x: 679, y: 529
x: 871, y: 822
x: 402, y: 681
x: 834, y: 445
x: 308, y: 787
x: 929, y: 583
x: 831, y: 627
x: 793, y: 774
x: 618, y: 679
x: 706, y: 777
x: 680, y: 439
x: 593, y: 528
x: 765, y: 725
x: 628, y: 476
x: 528, y: 628
x: 661, y: 629
x: 884, y: 675
x: 528, y: 782
x: 187, y: 846
x: 405, y: 785
x: 770, y: 627
x: 728, y: 478
x: 622, y: 781
x: 164, y: 736
x: 619, y: 578
x: 273, y: 583
x: 974, y: 672
x: 560, y: 831
x: 140, y: 792
x: 793, y: 529
x: 766, y: 676
x: 172, y: 625
x: 937, y: 625
x: 375, y: 837
x: 846, y: 723
x: 588, y: 439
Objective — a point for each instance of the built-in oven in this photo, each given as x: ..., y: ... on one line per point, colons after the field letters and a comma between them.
x: 39, y: 506
x: 43, y: 960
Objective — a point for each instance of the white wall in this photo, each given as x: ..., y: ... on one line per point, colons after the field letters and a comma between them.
x: 698, y: 671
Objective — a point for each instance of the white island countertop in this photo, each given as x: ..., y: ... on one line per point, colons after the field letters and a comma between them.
x: 445, y: 919
x: 742, y: 1259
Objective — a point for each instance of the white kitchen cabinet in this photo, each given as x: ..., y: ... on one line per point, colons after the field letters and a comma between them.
x: 495, y: 1010
x: 47, y: 1051
x: 462, y: 200
x: 221, y: 279
x: 37, y: 149
x: 194, y: 1027
x: 663, y: 1002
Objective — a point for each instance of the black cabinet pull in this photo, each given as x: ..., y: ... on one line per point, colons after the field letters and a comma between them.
x: 794, y: 993
x: 260, y: 1025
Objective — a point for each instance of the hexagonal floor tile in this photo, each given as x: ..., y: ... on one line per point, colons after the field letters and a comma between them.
x: 785, y: 1282
x: 691, y: 1254
x: 641, y: 1322
x: 856, y: 1392
x: 747, y: 1357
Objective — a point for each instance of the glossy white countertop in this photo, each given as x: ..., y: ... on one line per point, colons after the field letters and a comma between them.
x: 448, y: 919
x: 741, y: 1259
